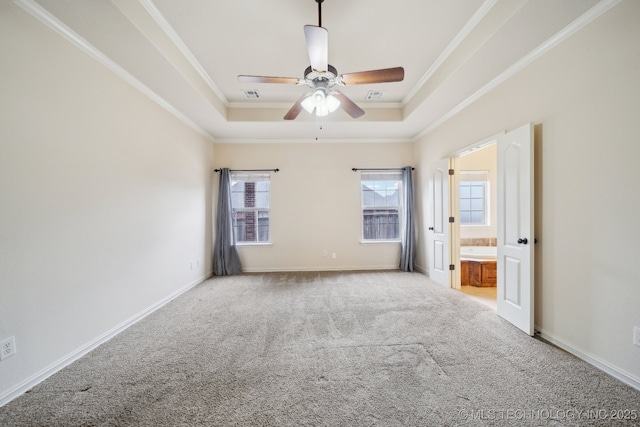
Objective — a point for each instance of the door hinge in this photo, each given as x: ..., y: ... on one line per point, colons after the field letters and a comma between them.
x: 452, y: 219
x: 452, y: 267
x: 451, y: 171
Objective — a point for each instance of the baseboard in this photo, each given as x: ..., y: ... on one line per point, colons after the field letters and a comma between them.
x: 421, y: 269
x: 45, y: 373
x: 338, y: 268
x: 625, y: 377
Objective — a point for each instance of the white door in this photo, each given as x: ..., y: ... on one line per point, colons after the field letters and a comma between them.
x: 515, y: 227
x: 438, y: 233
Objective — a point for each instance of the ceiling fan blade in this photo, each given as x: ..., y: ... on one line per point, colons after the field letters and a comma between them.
x: 296, y: 109
x: 266, y: 79
x: 374, y: 76
x: 349, y: 106
x: 318, y: 47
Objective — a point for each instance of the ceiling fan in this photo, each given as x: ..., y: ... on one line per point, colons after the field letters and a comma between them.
x: 323, y: 77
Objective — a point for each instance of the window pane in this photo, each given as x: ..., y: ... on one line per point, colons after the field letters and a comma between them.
x: 477, y: 204
x: 477, y: 217
x: 465, y: 217
x: 465, y: 190
x: 262, y: 194
x: 367, y: 196
x: 379, y: 199
x: 465, y: 205
x: 263, y: 226
x: 239, y: 226
x: 393, y: 198
x: 262, y: 199
x: 263, y: 186
x: 381, y: 224
x: 247, y: 232
x: 477, y: 190
x: 237, y: 194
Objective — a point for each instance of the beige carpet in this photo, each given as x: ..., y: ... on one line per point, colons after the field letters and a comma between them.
x: 335, y: 349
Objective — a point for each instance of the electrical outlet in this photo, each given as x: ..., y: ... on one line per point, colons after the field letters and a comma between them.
x: 198, y: 262
x: 191, y: 265
x: 7, y: 348
x: 324, y: 252
x: 636, y: 336
x: 333, y: 255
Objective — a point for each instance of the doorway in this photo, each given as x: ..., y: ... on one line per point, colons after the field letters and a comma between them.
x: 474, y: 196
x: 514, y: 220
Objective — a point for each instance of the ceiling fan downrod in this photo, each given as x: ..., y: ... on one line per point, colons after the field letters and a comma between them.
x: 319, y: 12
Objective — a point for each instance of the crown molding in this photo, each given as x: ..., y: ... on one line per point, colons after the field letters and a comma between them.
x: 583, y: 20
x: 162, y: 22
x: 314, y: 140
x: 459, y: 38
x: 256, y: 104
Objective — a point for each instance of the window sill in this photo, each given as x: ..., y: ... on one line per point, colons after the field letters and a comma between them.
x: 254, y: 244
x: 379, y: 242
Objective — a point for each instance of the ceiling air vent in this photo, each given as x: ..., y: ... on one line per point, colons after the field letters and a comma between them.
x: 374, y: 94
x: 251, y: 94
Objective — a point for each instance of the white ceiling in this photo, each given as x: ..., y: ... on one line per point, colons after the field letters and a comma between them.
x: 186, y: 55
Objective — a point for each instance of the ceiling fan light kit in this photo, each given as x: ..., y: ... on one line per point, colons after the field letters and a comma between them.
x: 322, y: 77
x: 321, y: 102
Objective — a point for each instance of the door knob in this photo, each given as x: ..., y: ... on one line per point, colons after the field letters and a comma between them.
x: 431, y: 228
x: 523, y: 241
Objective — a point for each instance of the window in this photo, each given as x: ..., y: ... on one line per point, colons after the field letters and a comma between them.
x: 250, y: 194
x: 381, y: 205
x: 474, y: 196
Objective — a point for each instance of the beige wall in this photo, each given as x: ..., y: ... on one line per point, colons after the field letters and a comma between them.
x: 105, y: 201
x: 105, y: 198
x: 315, y: 203
x: 583, y: 95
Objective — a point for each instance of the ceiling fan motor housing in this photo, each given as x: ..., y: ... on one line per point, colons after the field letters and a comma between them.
x: 317, y: 79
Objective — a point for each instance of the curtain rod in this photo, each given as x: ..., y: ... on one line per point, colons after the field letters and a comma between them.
x: 249, y: 170
x: 379, y: 169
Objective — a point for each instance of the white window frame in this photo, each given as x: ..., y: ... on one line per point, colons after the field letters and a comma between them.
x: 248, y: 176
x: 380, y: 176
x: 476, y: 176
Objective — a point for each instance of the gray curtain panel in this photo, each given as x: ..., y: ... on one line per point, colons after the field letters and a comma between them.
x: 408, y: 255
x: 226, y: 260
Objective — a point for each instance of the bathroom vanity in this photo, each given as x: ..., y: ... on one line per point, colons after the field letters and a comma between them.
x: 478, y: 272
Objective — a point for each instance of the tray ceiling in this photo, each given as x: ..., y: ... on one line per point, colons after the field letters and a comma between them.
x: 186, y: 55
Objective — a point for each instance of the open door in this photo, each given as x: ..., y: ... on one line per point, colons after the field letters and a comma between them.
x: 515, y: 228
x: 438, y: 234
